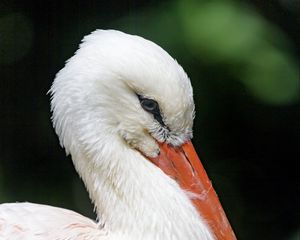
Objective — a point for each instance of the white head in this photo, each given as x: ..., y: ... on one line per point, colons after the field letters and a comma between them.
x: 114, y: 104
x: 99, y: 89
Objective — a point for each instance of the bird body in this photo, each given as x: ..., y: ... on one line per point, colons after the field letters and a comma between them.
x: 24, y: 221
x: 114, y: 104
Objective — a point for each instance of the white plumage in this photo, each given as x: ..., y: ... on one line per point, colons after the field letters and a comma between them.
x: 41, y: 222
x: 100, y: 122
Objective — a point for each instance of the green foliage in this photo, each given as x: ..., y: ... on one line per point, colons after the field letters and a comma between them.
x: 231, y: 34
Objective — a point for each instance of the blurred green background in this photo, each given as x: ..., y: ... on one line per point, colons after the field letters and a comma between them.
x: 243, y: 59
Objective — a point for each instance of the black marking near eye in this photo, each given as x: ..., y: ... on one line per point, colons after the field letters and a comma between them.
x: 152, y: 107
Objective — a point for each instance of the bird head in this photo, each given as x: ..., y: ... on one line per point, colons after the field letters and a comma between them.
x: 123, y: 85
x: 120, y: 88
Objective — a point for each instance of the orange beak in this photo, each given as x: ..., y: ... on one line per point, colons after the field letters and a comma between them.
x: 183, y: 165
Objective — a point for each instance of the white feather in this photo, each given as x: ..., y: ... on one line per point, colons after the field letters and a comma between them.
x: 100, y: 122
x: 41, y: 222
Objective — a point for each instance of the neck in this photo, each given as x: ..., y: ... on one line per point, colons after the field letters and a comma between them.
x: 135, y: 198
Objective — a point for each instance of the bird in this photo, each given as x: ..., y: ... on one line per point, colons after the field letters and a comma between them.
x: 123, y: 108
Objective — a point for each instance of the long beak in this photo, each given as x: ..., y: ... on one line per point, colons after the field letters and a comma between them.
x: 183, y: 165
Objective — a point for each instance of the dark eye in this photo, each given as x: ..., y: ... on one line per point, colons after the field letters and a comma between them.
x: 150, y: 105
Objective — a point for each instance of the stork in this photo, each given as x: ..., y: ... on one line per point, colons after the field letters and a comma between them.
x: 123, y: 109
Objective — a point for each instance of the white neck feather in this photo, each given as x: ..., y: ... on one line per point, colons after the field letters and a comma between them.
x: 135, y: 198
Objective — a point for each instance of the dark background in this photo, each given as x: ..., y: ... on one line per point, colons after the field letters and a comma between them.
x: 243, y: 60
